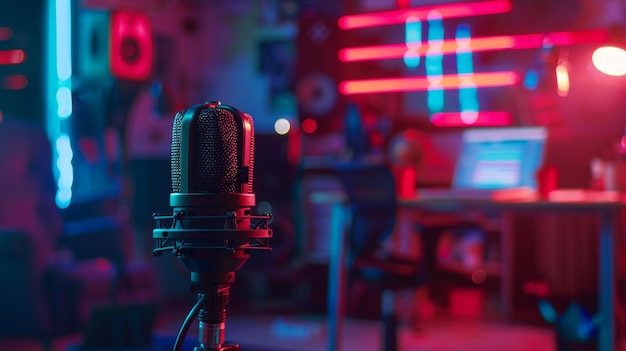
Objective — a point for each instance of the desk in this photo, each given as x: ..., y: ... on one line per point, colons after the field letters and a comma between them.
x: 607, y: 211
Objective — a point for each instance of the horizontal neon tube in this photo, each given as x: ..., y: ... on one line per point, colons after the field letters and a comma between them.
x: 481, y: 118
x: 465, y: 9
x: 451, y: 81
x: 11, y: 57
x: 503, y: 42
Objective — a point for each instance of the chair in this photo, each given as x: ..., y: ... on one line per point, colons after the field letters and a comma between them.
x: 42, y: 306
x: 102, y: 272
x: 372, y: 204
x: 55, y: 305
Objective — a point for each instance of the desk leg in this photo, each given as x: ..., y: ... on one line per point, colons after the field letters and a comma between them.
x: 606, y: 294
x: 507, y: 280
x: 336, y: 277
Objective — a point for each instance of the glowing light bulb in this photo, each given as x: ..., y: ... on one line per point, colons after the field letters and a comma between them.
x: 282, y: 126
x: 610, y: 60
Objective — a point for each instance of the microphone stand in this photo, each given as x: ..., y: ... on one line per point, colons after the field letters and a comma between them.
x: 212, y: 300
x: 211, y: 285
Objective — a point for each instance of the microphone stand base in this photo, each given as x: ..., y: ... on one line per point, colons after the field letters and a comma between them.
x: 232, y: 347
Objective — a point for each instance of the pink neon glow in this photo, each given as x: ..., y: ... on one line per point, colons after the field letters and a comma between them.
x: 483, y: 118
x: 465, y: 9
x: 451, y: 81
x: 6, y: 33
x: 403, y: 3
x: 527, y: 41
x: 11, y: 57
x: 14, y: 82
x: 523, y: 41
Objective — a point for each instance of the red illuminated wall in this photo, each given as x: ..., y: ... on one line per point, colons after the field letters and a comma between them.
x: 506, y: 37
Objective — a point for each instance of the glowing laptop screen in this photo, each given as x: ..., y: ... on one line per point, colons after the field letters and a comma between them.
x: 497, y: 158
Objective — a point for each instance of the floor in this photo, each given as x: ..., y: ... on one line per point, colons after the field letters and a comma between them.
x: 442, y: 332
x: 309, y: 334
x: 295, y: 332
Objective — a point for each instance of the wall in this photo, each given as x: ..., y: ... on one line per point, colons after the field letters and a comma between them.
x: 215, y: 54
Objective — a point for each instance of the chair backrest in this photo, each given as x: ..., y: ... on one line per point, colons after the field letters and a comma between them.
x: 23, y: 309
x: 371, y: 193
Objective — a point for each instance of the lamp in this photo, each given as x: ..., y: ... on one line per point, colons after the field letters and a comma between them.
x: 610, y: 59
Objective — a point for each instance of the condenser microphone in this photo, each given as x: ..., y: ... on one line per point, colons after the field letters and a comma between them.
x: 211, y: 229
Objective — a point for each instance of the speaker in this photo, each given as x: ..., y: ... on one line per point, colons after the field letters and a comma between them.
x: 93, y: 44
x: 317, y: 73
x: 131, y: 45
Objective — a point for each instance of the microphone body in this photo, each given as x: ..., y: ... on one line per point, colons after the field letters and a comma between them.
x: 212, y: 174
x: 211, y: 229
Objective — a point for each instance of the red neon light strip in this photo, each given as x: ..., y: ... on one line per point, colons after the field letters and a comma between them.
x: 484, y: 118
x: 503, y: 42
x: 11, y: 57
x: 14, y: 82
x: 465, y: 9
x: 451, y: 81
x: 5, y: 33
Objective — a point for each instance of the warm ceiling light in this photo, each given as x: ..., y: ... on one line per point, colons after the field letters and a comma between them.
x: 610, y: 60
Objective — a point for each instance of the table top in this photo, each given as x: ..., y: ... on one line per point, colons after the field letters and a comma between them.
x: 562, y: 199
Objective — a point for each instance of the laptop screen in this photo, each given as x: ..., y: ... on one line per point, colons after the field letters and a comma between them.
x: 497, y: 158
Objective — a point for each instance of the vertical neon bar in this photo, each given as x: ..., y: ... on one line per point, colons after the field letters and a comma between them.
x: 51, y: 77
x: 413, y: 42
x: 434, y: 62
x: 59, y: 95
x: 468, y: 94
x: 63, y: 40
x: 66, y: 174
x: 52, y: 83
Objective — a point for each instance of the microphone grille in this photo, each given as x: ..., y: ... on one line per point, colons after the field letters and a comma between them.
x: 212, y: 150
x: 215, y: 147
x: 251, y: 145
x: 176, y: 150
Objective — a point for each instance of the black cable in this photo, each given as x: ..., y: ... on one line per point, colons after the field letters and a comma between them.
x: 184, y: 328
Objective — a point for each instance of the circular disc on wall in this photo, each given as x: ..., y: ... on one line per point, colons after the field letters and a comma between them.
x: 317, y: 93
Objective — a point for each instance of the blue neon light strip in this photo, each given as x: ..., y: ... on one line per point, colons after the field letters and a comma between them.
x: 413, y: 40
x: 63, y: 39
x: 64, y: 58
x: 434, y: 63
x: 66, y: 174
x: 59, y: 95
x: 64, y: 102
x: 468, y: 94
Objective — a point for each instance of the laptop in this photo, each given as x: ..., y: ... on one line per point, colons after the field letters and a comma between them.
x: 493, y: 161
